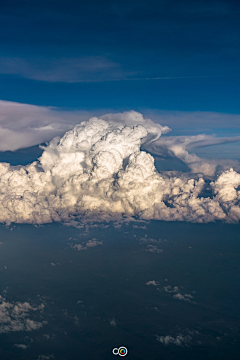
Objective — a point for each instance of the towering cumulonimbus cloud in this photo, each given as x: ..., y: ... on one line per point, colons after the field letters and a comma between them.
x: 97, y: 171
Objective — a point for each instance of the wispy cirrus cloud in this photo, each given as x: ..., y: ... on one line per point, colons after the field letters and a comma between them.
x: 69, y: 70
x: 180, y: 147
x: 25, y: 125
x: 21, y: 346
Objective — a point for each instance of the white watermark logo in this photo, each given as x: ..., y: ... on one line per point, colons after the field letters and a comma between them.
x: 121, y: 351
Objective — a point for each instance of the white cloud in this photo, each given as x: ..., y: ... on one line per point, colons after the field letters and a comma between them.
x: 78, y: 247
x: 168, y: 288
x: 179, y: 146
x: 152, y: 282
x: 147, y: 240
x: 93, y: 243
x: 154, y: 249
x: 23, y: 125
x: 113, y: 322
x: 14, y: 316
x: 46, y: 357
x: 184, y: 297
x: 154, y: 130
x: 89, y: 244
x: 97, y: 171
x: 179, y: 340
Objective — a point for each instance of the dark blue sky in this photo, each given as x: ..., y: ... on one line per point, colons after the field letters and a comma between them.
x: 85, y: 54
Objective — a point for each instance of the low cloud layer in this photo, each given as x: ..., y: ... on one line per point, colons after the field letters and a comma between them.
x: 97, y: 171
x: 16, y: 316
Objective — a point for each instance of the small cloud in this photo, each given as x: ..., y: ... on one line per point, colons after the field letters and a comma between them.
x: 154, y: 249
x: 179, y: 340
x: 113, y: 322
x: 184, y: 297
x: 89, y: 244
x: 139, y: 227
x: 78, y: 247
x: 52, y: 264
x: 46, y: 357
x: 76, y: 320
x: 47, y: 337
x: 147, y: 240
x: 21, y: 346
x: 152, y: 282
x: 93, y: 243
x: 169, y: 289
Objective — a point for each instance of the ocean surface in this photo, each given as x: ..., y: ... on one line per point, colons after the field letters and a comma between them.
x: 164, y: 290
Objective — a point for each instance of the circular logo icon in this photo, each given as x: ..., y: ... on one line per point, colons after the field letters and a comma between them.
x: 122, y: 351
x: 115, y: 351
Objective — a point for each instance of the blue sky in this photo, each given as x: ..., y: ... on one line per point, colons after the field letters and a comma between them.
x: 103, y: 54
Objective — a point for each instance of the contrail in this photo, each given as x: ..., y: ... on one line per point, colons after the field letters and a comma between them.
x: 176, y: 77
x: 164, y: 78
